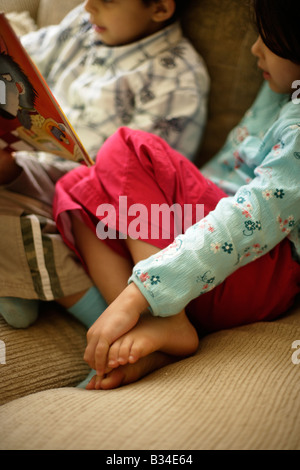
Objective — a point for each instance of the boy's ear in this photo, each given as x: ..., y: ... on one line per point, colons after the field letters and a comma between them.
x: 163, y: 10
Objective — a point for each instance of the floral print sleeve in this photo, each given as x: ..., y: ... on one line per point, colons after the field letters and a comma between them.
x: 242, y: 228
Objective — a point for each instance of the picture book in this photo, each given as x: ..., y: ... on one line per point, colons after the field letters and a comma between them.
x: 30, y: 117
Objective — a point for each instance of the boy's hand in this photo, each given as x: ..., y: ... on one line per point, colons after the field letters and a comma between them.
x: 120, y: 317
x: 9, y: 170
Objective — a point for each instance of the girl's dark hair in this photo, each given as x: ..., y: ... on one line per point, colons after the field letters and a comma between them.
x: 278, y: 25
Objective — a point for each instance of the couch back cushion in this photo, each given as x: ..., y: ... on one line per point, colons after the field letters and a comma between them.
x: 51, y: 12
x: 222, y: 31
x: 20, y: 5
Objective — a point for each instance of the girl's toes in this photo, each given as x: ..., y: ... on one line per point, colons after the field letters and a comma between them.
x: 124, y: 350
x: 113, y: 355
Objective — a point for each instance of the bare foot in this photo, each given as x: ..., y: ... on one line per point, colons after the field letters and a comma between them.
x: 119, y: 318
x: 171, y: 335
x: 130, y: 373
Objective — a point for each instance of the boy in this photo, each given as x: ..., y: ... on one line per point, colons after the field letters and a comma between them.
x: 109, y: 64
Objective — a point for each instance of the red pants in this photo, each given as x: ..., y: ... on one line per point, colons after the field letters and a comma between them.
x: 147, y: 171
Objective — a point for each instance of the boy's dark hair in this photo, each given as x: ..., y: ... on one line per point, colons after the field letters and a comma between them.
x: 278, y: 25
x: 179, y: 7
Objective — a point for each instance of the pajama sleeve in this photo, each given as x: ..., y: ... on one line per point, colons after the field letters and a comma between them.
x: 240, y: 229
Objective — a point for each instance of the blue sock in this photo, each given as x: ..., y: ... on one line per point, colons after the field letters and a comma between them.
x: 89, y: 307
x: 84, y: 383
x: 19, y: 313
x: 87, y: 310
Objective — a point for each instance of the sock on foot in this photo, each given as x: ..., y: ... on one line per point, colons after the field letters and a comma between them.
x: 19, y: 313
x: 89, y: 307
x: 87, y: 310
x: 84, y: 383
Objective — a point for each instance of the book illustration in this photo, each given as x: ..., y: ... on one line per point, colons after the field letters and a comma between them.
x: 30, y: 117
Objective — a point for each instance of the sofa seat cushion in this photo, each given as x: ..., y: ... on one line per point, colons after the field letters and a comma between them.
x: 227, y: 396
x: 48, y: 354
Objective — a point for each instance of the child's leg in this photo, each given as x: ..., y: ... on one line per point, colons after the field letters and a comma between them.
x: 86, y: 306
x: 239, y: 300
x: 110, y: 273
x: 19, y: 313
x: 149, y: 173
x: 173, y: 335
x: 108, y: 270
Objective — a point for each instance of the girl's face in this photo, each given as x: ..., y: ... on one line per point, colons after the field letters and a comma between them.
x: 121, y: 22
x: 279, y: 72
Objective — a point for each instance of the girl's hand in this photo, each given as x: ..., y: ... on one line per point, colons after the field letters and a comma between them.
x: 120, y: 317
x: 9, y: 170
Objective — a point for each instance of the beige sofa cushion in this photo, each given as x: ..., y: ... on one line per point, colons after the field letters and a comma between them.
x: 51, y: 12
x: 222, y: 32
x: 46, y: 355
x: 45, y: 12
x: 240, y: 391
x: 20, y: 5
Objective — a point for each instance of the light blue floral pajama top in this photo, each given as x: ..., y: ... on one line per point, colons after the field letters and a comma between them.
x: 259, y: 168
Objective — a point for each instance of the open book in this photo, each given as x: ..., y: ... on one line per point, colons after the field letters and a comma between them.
x: 30, y: 117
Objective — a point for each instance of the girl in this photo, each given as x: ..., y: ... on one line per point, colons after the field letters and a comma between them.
x: 237, y: 264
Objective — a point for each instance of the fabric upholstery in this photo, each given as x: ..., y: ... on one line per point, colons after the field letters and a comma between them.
x: 241, y: 389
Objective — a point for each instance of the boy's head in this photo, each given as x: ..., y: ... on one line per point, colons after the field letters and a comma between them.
x: 120, y: 22
x: 176, y: 5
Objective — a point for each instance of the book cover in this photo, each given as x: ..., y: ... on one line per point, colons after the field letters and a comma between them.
x: 30, y: 117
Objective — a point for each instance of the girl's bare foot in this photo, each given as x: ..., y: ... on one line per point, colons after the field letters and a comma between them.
x: 171, y: 335
x: 130, y: 373
x: 120, y: 317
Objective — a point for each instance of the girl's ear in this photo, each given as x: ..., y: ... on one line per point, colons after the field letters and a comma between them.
x: 163, y: 10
